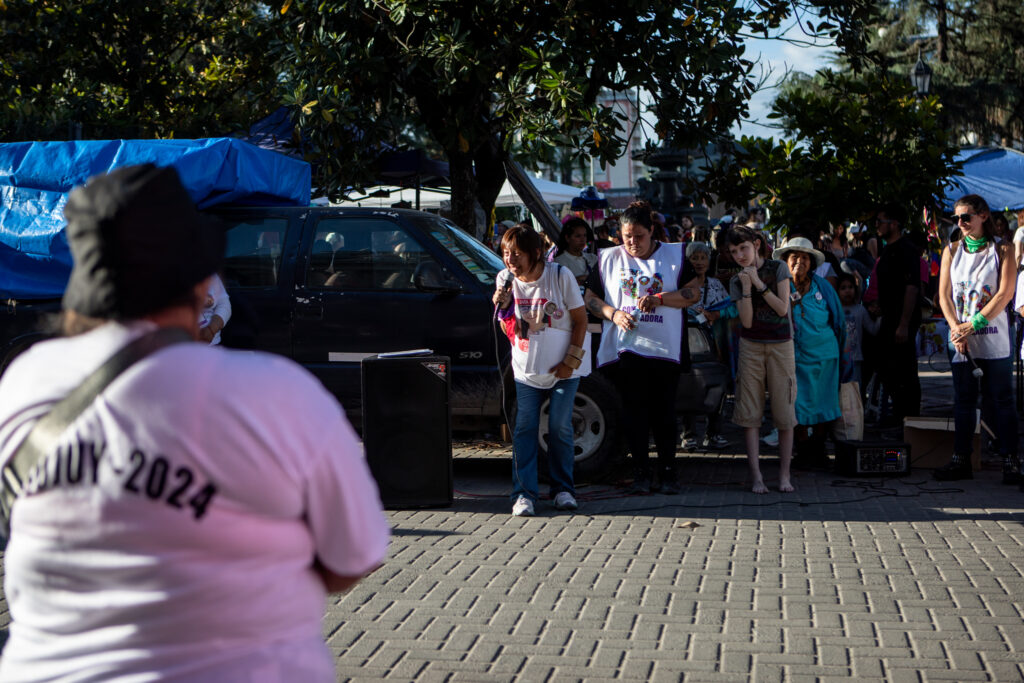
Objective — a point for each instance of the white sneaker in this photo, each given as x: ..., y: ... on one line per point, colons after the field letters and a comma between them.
x: 771, y: 439
x: 565, y: 501
x: 523, y: 507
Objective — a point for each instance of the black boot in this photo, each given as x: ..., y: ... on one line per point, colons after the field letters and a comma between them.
x: 1011, y: 470
x: 958, y: 467
x: 669, y: 481
x: 641, y: 483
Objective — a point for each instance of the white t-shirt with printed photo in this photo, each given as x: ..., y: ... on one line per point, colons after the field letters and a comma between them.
x: 541, y: 333
x: 177, y: 535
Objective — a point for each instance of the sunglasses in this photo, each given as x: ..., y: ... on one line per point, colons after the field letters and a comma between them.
x: 964, y: 217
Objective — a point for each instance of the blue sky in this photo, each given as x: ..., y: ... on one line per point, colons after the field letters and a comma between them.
x: 779, y: 56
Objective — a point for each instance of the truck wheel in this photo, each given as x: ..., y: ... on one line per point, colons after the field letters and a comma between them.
x: 599, y: 441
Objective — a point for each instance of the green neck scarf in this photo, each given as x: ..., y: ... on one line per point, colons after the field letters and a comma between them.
x: 972, y: 245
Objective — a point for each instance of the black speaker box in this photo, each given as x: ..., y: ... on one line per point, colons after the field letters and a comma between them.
x: 407, y: 429
x: 872, y: 458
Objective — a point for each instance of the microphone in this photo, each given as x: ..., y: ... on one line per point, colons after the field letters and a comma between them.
x: 505, y: 288
x: 977, y: 372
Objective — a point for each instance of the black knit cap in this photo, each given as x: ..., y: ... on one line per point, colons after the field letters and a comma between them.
x: 138, y: 243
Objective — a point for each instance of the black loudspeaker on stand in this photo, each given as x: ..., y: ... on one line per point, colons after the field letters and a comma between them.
x: 407, y: 428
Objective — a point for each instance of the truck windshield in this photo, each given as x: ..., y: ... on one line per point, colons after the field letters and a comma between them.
x: 483, y: 263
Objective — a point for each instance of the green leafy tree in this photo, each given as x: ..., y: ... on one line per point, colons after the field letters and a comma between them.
x: 976, y: 51
x: 487, y: 77
x: 854, y: 142
x: 123, y: 68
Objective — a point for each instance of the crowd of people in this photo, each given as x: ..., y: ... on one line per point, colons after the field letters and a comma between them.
x: 821, y: 325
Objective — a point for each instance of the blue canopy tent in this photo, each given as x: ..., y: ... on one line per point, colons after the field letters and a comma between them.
x: 995, y: 173
x: 36, y: 177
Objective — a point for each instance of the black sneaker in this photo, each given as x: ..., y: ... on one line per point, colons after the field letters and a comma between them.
x: 670, y: 487
x: 1011, y: 470
x: 955, y: 470
x: 716, y: 441
x: 668, y: 482
x: 641, y: 485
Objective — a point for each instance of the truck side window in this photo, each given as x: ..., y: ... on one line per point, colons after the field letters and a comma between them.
x: 254, y: 252
x: 366, y: 254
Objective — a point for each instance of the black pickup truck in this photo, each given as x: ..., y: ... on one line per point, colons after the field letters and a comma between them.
x: 329, y: 286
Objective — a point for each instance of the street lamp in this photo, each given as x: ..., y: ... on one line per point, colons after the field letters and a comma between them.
x: 921, y: 77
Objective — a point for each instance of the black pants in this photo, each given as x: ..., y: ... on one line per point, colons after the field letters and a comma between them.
x: 897, y: 365
x: 648, y: 390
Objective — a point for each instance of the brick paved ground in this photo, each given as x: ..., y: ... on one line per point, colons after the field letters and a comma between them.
x: 886, y: 580
x: 895, y: 579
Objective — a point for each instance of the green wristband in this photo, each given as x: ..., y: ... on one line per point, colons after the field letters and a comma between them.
x: 979, y: 322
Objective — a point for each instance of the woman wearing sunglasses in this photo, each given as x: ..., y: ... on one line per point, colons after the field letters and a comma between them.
x: 976, y: 282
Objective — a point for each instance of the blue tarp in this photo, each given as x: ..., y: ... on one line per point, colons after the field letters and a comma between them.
x: 36, y: 177
x: 997, y: 174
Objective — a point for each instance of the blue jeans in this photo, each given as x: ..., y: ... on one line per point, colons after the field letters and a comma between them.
x: 995, y: 390
x: 561, y: 447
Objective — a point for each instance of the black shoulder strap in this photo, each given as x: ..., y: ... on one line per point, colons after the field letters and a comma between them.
x: 50, y: 427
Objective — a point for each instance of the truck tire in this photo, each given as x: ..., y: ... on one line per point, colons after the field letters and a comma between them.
x: 600, y: 443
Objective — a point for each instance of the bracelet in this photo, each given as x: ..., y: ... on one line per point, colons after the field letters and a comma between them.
x: 979, y: 322
x: 576, y: 352
x: 571, y: 361
x: 746, y: 296
x: 661, y: 296
x: 762, y: 291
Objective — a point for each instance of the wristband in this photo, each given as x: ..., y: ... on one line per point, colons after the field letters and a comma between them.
x: 571, y: 361
x: 576, y: 352
x: 660, y: 296
x: 979, y: 322
x: 762, y: 291
x: 746, y: 296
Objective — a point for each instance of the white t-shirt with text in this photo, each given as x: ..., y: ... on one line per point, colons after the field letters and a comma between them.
x: 176, y: 534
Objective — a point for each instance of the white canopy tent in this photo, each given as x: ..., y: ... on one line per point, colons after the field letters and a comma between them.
x: 553, y: 193
x: 429, y: 199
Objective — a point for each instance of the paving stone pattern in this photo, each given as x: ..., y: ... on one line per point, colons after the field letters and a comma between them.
x: 871, y: 579
x: 895, y: 580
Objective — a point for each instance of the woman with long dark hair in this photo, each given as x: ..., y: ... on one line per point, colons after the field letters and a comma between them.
x: 571, y: 244
x: 976, y: 282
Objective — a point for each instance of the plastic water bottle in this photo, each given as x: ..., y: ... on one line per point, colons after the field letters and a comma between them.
x: 628, y: 337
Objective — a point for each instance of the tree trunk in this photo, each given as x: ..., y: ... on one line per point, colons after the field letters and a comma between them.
x: 460, y: 166
x: 476, y: 184
x: 490, y: 174
x: 942, y: 31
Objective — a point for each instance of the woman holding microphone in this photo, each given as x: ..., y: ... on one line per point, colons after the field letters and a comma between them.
x: 637, y: 291
x: 976, y: 282
x: 547, y: 328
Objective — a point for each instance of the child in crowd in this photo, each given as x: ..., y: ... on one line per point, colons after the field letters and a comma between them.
x: 766, y: 356
x: 857, y: 321
x: 714, y: 304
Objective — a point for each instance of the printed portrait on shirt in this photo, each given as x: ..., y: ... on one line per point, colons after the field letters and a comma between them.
x: 968, y: 299
x: 637, y: 284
